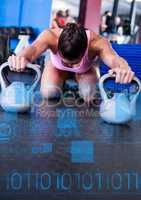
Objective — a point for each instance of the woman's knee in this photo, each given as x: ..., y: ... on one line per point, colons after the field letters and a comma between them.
x: 51, y: 83
x: 87, y: 91
x: 51, y: 91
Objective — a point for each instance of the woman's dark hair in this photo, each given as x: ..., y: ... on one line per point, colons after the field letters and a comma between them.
x: 72, y: 42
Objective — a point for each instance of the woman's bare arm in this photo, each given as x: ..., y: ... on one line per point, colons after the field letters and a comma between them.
x: 43, y: 42
x: 102, y: 46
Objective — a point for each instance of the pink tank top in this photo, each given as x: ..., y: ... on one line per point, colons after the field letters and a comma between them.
x: 84, y: 66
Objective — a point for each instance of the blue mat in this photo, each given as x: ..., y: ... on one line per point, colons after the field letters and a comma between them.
x: 132, y: 54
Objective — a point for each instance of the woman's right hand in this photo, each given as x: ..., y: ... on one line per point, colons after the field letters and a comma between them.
x: 17, y: 63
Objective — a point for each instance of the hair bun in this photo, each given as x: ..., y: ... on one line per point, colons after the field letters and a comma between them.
x: 71, y: 26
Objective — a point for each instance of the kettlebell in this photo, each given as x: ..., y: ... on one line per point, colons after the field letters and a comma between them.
x: 121, y: 108
x: 16, y: 96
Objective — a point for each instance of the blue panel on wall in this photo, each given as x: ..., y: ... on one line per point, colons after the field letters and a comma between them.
x: 9, y: 12
x: 36, y: 14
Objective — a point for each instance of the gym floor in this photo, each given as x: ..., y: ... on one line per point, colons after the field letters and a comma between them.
x: 59, y: 152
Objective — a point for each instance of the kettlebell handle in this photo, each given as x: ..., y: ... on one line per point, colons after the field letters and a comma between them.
x: 29, y: 65
x: 38, y: 75
x: 2, y: 79
x: 106, y: 76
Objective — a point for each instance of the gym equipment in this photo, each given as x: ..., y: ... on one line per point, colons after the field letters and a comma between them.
x: 16, y: 96
x: 23, y: 43
x: 23, y: 34
x: 4, y: 48
x: 121, y: 107
x: 26, y: 31
x: 5, y: 31
x: 14, y: 32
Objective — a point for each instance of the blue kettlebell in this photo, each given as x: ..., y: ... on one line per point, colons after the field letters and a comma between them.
x: 119, y: 109
x: 17, y: 97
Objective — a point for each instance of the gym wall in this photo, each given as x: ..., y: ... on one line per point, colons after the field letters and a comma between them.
x: 34, y: 13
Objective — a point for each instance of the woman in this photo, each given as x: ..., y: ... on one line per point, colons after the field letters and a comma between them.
x: 73, y: 49
x: 59, y: 20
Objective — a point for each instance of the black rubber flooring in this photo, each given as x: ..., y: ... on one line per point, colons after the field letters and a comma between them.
x: 68, y: 153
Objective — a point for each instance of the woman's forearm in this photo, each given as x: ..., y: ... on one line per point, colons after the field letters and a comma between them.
x: 40, y: 45
x: 118, y: 62
x: 29, y: 53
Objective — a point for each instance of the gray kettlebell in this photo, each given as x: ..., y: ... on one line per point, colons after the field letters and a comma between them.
x: 17, y: 97
x: 121, y: 107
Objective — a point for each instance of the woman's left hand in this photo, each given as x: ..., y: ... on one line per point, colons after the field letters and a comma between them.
x: 124, y: 73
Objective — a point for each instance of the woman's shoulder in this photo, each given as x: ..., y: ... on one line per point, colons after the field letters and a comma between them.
x: 55, y: 32
x: 95, y: 42
x: 94, y: 37
x: 52, y: 35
